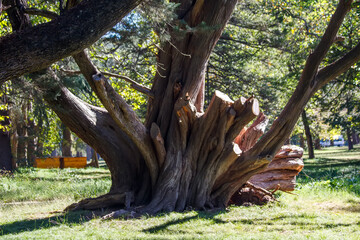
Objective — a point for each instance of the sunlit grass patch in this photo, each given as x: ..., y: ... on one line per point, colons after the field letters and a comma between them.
x: 315, y: 212
x: 31, y: 202
x: 337, y: 166
x: 48, y: 184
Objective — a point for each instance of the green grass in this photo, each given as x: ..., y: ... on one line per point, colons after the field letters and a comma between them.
x: 47, y: 184
x: 31, y: 202
x: 337, y: 166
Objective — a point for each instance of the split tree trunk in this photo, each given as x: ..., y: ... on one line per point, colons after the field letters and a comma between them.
x: 182, y: 157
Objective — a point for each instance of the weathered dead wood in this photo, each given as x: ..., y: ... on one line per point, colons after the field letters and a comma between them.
x: 246, y: 139
x: 251, y: 194
x: 282, y: 171
x: 289, y: 151
x: 295, y: 164
x: 217, y: 152
x: 244, y: 116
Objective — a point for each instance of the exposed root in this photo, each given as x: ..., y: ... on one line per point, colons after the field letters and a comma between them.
x: 104, y: 201
x: 250, y: 194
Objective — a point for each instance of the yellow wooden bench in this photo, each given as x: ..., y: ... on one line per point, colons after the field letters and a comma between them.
x: 60, y: 162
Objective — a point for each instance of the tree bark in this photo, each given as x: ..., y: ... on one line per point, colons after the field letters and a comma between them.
x: 66, y: 35
x: 355, y: 136
x: 349, y: 137
x: 302, y: 140
x: 308, y: 135
x: 317, y: 144
x: 5, y: 148
x: 66, y: 142
x: 22, y: 138
x: 30, y: 143
x: 181, y: 157
x: 13, y: 144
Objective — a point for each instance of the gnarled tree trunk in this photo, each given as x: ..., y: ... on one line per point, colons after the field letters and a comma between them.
x: 182, y: 157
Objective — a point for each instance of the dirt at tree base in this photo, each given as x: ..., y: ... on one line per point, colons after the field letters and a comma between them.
x: 250, y: 195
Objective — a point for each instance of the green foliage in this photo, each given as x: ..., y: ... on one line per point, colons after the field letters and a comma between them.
x: 4, y: 127
x: 52, y: 6
x: 5, y: 26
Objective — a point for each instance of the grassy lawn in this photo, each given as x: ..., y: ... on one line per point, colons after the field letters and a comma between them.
x: 336, y: 165
x: 326, y: 205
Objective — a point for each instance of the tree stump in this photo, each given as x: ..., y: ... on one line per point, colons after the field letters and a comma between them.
x: 280, y: 174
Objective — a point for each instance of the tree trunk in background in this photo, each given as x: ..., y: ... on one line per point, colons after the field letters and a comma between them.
x: 22, y: 137
x: 317, y: 143
x: 66, y: 142
x: 5, y: 148
x: 31, y: 130
x: 301, y: 140
x: 14, y: 144
x: 355, y: 137
x: 94, y: 160
x: 349, y: 137
x: 21, y: 146
x: 308, y: 135
x: 5, y: 152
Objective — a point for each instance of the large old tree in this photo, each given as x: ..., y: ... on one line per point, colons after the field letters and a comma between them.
x: 181, y: 156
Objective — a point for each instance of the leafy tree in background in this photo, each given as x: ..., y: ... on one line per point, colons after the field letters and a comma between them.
x: 179, y: 157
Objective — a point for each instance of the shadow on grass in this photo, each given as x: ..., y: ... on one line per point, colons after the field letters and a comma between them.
x: 200, y: 215
x: 325, y: 163
x: 44, y: 223
x: 305, y: 222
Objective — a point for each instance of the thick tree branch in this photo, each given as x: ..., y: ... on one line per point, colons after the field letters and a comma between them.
x: 338, y: 67
x: 120, y: 111
x: 313, y: 62
x: 94, y: 126
x: 270, y: 143
x: 36, y: 48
